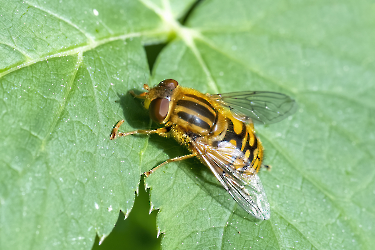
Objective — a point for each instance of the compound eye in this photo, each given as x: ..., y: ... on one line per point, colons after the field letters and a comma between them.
x: 159, y: 108
x: 169, y: 83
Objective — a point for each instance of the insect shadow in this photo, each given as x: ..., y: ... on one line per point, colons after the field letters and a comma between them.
x: 138, y: 118
x: 203, y: 177
x: 197, y: 172
x: 133, y: 112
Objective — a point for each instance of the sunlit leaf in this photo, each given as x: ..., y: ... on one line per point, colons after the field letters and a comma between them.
x: 66, y: 68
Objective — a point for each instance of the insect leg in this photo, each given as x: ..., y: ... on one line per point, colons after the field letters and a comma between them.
x: 268, y: 167
x: 116, y: 134
x: 179, y: 158
x: 141, y: 96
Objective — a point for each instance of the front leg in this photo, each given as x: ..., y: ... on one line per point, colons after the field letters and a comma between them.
x: 115, y: 133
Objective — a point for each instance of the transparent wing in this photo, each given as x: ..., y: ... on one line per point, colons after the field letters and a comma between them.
x: 261, y: 106
x: 243, y: 185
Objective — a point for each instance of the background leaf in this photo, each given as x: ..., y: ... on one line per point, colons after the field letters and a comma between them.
x: 65, y: 71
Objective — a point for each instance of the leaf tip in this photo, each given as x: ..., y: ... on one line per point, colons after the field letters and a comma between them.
x: 102, y: 238
x: 126, y: 214
x: 158, y: 233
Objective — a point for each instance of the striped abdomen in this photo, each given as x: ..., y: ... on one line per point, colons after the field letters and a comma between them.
x: 194, y: 114
x: 243, y: 137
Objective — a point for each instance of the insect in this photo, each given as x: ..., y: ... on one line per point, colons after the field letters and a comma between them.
x: 219, y: 130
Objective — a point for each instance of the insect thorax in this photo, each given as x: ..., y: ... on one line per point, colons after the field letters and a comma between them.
x: 193, y: 112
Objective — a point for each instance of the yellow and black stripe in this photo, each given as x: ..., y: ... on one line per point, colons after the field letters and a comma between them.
x: 242, y: 136
x: 195, y: 113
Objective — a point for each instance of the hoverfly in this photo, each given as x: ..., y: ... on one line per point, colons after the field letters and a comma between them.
x: 219, y: 130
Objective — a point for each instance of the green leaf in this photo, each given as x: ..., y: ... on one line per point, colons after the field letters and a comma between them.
x: 66, y: 67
